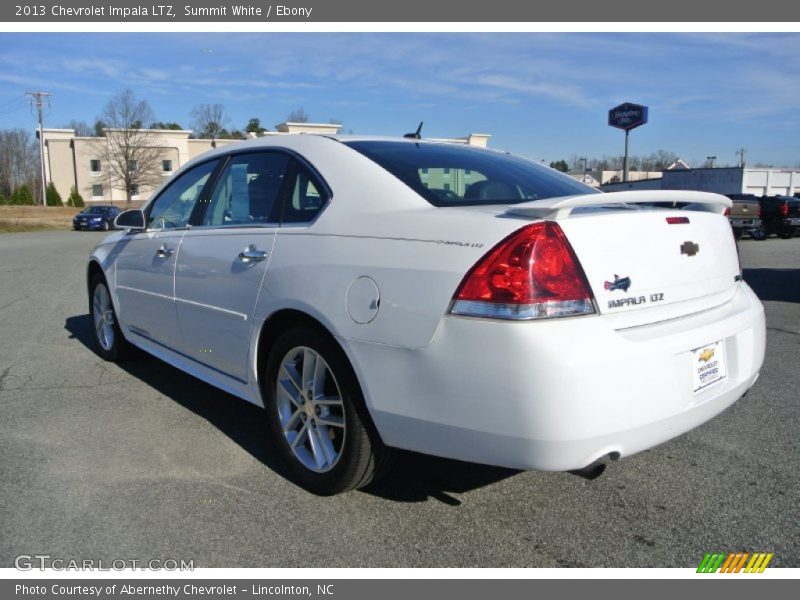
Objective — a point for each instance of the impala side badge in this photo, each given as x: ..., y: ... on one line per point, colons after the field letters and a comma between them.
x: 619, y: 283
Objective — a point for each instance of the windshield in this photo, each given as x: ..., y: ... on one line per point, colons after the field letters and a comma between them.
x: 449, y: 175
x: 97, y: 210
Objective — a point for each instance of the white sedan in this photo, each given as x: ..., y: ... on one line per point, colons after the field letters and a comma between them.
x: 375, y: 293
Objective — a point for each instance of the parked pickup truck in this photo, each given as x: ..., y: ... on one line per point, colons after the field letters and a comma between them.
x: 780, y: 215
x: 745, y: 216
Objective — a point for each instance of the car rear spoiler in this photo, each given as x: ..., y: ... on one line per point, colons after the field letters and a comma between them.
x: 559, y: 208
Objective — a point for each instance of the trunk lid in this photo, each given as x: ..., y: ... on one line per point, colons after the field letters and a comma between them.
x: 642, y: 259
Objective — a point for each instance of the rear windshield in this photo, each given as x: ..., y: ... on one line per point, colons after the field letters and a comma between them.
x: 448, y: 175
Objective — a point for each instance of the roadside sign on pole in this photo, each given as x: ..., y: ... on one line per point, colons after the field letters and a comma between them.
x: 627, y: 116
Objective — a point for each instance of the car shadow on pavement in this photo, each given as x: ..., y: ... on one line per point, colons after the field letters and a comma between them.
x: 418, y: 477
x: 241, y: 421
x: 779, y: 285
x: 413, y: 478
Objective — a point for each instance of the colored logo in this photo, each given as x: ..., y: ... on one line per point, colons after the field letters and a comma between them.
x: 706, y: 355
x: 734, y: 562
x: 619, y: 283
x: 690, y: 248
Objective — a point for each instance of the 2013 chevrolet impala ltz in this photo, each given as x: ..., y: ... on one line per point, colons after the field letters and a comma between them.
x: 376, y: 293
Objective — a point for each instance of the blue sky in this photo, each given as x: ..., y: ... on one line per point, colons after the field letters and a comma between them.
x: 538, y: 94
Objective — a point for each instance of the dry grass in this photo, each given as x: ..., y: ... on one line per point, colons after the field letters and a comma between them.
x: 35, y: 218
x: 14, y: 219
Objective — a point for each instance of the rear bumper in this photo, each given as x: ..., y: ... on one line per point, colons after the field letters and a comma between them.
x: 556, y: 395
x: 745, y: 224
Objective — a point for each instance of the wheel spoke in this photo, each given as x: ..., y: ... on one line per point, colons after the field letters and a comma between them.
x: 320, y: 372
x: 328, y: 400
x: 303, y: 433
x: 318, y: 448
x: 309, y: 364
x: 287, y: 391
x: 331, y: 420
x: 291, y: 422
x: 293, y: 376
x: 98, y: 310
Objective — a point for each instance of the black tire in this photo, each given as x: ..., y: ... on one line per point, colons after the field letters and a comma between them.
x: 106, y: 227
x: 759, y: 234
x: 119, y: 349
x: 786, y: 233
x: 737, y: 234
x: 362, y: 456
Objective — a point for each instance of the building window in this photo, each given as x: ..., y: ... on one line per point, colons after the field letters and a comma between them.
x: 424, y: 170
x: 97, y: 191
x: 446, y: 187
x: 447, y: 170
x: 94, y: 165
x: 133, y: 166
x: 134, y: 189
x: 166, y: 166
x: 467, y: 171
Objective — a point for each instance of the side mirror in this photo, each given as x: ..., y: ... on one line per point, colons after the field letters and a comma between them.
x: 130, y: 219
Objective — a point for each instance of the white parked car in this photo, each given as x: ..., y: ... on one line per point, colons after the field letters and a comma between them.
x: 376, y: 293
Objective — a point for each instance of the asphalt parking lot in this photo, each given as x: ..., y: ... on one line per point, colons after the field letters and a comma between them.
x: 140, y: 461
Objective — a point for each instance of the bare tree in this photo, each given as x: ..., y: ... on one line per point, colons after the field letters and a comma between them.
x: 81, y: 128
x: 19, y: 161
x: 132, y: 153
x: 208, y: 120
x: 298, y: 115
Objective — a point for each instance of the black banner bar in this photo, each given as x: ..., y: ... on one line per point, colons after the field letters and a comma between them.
x: 439, y: 11
x: 732, y: 588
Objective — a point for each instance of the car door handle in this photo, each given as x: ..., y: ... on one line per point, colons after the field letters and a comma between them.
x: 252, y: 254
x: 164, y: 252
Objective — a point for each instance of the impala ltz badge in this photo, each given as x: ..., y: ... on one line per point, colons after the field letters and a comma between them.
x: 690, y: 248
x: 619, y: 283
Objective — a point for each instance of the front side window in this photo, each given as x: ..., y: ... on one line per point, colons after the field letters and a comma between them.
x: 450, y: 175
x: 247, y: 190
x: 173, y: 207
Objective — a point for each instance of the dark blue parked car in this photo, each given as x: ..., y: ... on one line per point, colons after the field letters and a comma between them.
x: 97, y: 217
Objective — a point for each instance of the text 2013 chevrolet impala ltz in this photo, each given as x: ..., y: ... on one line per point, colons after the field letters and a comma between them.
x: 374, y: 293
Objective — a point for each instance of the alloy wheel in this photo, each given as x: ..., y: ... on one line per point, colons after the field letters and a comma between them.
x: 310, y: 409
x: 103, y: 314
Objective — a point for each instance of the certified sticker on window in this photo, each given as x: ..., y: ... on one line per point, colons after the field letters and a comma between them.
x: 708, y: 365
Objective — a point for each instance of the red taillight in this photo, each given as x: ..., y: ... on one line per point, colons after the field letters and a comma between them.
x: 760, y: 211
x: 727, y: 212
x: 784, y: 209
x: 677, y: 220
x: 531, y: 274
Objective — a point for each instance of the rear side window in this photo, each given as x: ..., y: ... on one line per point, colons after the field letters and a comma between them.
x: 449, y: 175
x: 306, y: 197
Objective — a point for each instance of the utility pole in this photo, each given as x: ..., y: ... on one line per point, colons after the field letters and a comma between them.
x: 740, y: 153
x: 38, y: 99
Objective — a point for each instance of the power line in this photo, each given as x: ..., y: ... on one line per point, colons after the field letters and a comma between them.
x: 20, y: 99
x: 38, y: 100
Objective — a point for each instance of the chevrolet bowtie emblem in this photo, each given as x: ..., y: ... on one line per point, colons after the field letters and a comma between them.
x: 690, y: 248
